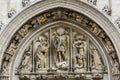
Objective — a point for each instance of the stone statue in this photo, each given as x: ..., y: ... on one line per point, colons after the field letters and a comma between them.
x: 60, y: 42
x: 80, y: 46
x: 23, y: 31
x: 77, y: 62
x: 109, y: 45
x: 43, y: 18
x: 17, y: 38
x: 12, y: 48
x: 95, y: 62
x: 116, y: 67
x: 5, y: 68
x: 76, y: 16
x: 26, y: 59
x: 5, y: 64
x: 94, y: 28
x: 41, y: 54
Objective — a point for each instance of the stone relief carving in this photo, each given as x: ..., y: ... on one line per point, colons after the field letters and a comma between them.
x: 49, y: 16
x: 106, y: 9
x: 25, y: 65
x: 41, y: 19
x: 12, y: 48
x: 80, y: 58
x: 42, y: 52
x: 36, y: 58
x: 95, y: 61
x: 11, y: 13
x: 60, y: 42
x: 116, y: 67
x: 23, y: 31
x: 94, y: 28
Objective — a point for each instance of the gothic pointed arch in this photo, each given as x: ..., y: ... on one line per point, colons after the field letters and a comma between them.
x: 60, y: 39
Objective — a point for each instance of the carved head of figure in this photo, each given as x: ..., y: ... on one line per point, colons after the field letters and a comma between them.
x: 60, y: 31
x: 43, y: 44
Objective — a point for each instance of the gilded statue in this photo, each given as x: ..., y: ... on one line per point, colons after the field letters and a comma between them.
x: 109, y: 45
x: 41, y: 54
x: 35, y: 23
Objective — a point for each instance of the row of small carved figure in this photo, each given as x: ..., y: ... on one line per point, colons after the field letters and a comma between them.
x: 60, y: 76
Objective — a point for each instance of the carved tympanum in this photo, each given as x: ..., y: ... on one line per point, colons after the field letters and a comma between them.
x: 64, y: 45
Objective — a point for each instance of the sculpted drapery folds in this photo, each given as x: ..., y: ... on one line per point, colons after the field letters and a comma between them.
x: 80, y: 58
x: 24, y: 65
x: 60, y: 42
x: 41, y: 52
x: 60, y: 38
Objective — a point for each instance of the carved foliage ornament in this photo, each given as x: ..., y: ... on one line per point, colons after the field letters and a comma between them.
x: 106, y: 9
x: 94, y: 2
x: 53, y: 15
x: 11, y: 13
x: 1, y: 25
